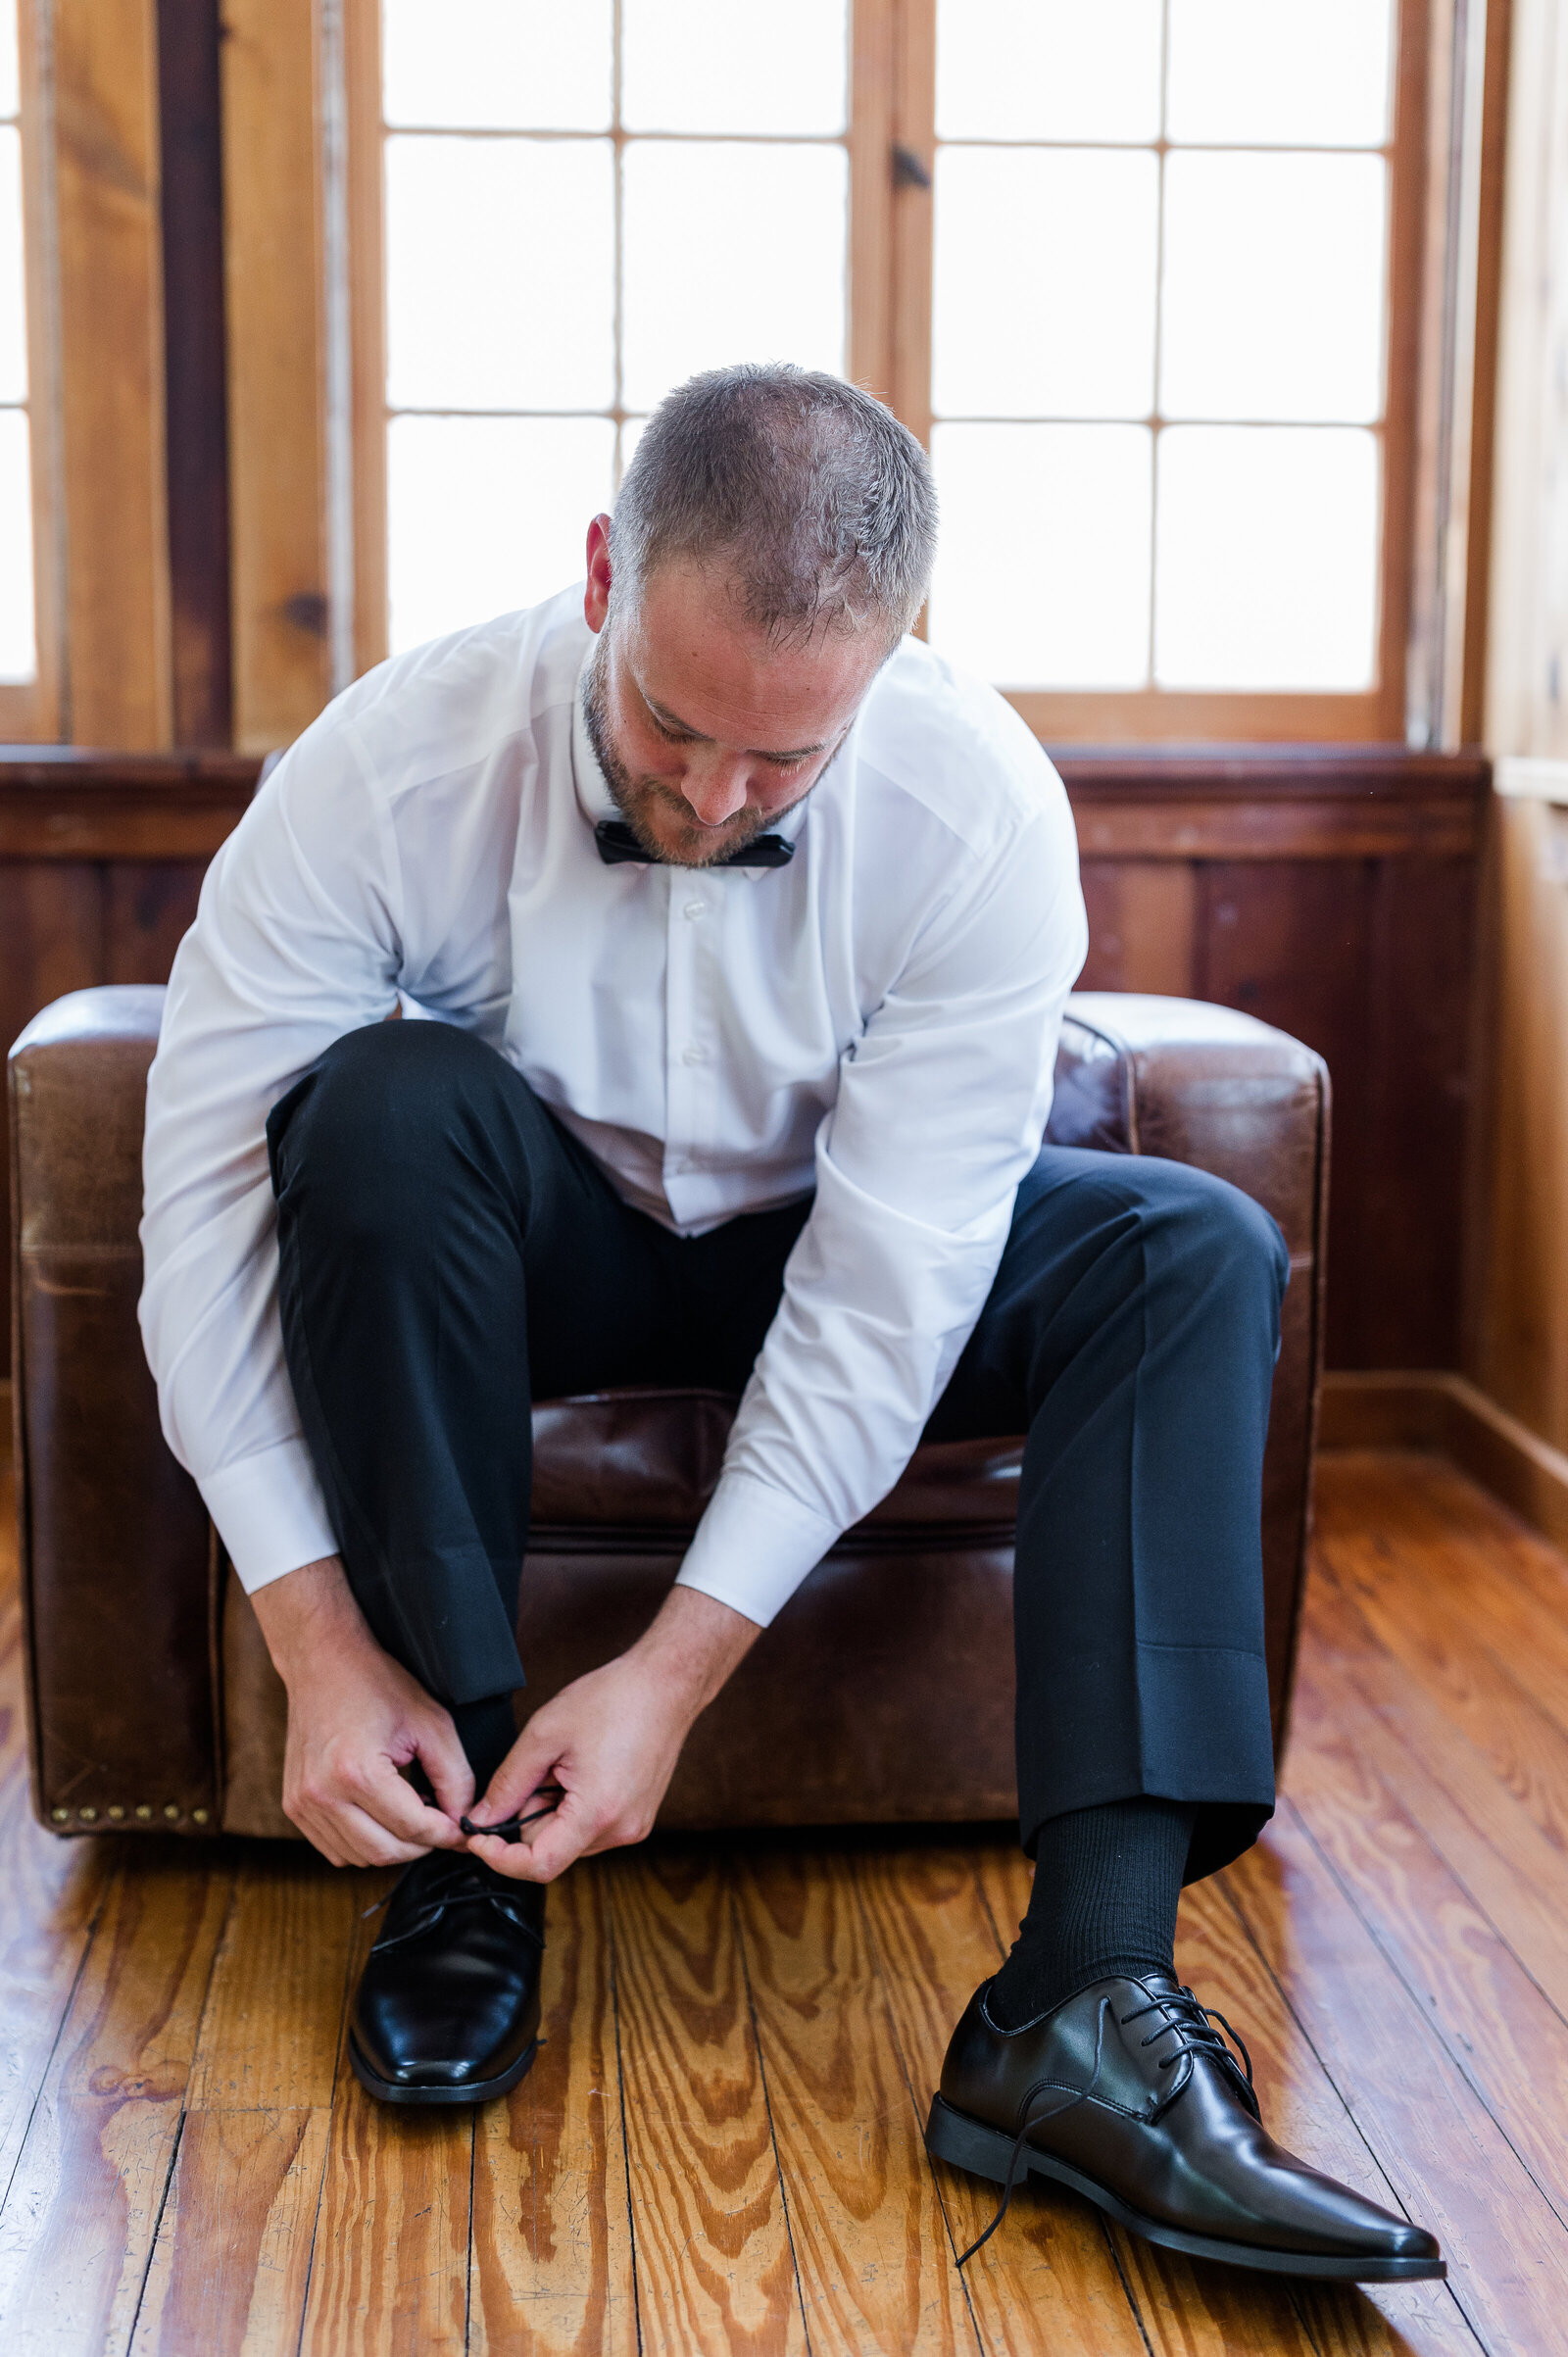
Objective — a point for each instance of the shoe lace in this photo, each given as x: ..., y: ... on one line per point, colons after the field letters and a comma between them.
x: 1033, y: 2117
x: 461, y: 1882
x: 509, y: 1829
x: 1188, y: 2024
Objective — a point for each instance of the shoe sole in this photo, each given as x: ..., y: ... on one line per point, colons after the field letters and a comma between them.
x: 481, y: 2090
x: 952, y: 2135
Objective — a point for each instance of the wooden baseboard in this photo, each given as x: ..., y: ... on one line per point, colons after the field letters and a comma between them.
x: 1421, y: 1409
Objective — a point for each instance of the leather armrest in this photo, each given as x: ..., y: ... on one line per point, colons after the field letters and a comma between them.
x: 118, y: 1568
x: 1205, y: 1085
x: 1215, y: 1088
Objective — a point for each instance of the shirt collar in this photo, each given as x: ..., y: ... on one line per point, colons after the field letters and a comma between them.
x: 596, y: 802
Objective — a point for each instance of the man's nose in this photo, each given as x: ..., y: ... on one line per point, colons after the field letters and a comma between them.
x: 716, y: 790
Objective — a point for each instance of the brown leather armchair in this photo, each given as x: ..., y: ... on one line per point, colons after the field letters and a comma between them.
x: 882, y: 1692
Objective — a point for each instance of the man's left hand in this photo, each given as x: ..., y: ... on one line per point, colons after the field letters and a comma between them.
x: 609, y: 1743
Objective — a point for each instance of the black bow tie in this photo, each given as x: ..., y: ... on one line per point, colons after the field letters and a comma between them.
x: 616, y: 843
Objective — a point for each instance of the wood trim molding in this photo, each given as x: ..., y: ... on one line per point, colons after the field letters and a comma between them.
x: 366, y: 325
x: 1295, y: 802
x: 1305, y: 802
x: 873, y: 196
x: 60, y: 804
x: 275, y: 298
x: 35, y: 709
x: 1430, y: 1409
x: 111, y: 328
x: 189, y: 41
x: 1154, y: 715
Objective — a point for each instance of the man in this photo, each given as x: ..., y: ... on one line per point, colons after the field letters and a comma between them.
x: 748, y: 927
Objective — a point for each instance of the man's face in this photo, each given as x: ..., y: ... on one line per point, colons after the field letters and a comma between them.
x: 706, y: 733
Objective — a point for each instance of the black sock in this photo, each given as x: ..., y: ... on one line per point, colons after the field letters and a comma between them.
x: 487, y: 1732
x: 1106, y: 1883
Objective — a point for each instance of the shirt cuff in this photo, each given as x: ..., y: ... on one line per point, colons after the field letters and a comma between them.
x: 753, y: 1547
x: 269, y: 1512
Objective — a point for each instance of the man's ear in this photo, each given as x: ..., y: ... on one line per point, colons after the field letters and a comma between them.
x: 596, y: 597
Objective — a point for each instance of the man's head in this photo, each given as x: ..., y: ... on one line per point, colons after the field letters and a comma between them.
x: 771, y: 543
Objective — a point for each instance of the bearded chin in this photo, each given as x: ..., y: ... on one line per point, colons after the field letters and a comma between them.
x: 632, y: 796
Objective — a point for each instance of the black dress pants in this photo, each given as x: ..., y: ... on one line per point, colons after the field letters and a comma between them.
x: 449, y: 1254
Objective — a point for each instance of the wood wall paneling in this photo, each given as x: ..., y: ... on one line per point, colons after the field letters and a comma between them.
x: 1334, y: 898
x: 101, y: 863
x: 1329, y: 894
x: 362, y: 79
x: 193, y: 329
x: 1517, y: 1343
x: 274, y: 282
x: 110, y: 302
x: 1520, y: 1352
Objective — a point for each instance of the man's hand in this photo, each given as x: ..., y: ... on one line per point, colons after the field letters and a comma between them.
x: 609, y: 1742
x: 355, y: 1718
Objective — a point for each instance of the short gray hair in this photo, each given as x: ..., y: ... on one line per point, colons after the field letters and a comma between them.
x: 820, y: 503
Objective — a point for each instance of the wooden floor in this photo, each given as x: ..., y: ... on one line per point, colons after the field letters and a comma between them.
x: 719, y: 2147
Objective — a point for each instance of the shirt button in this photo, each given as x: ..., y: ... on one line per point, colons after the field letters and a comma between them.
x: 694, y: 1056
x: 696, y: 908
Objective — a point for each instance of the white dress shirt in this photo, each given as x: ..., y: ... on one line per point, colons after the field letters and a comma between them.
x: 875, y: 1023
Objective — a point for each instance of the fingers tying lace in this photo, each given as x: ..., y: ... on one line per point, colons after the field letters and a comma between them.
x: 511, y: 1827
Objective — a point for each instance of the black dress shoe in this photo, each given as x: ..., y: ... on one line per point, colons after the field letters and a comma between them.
x: 1128, y: 2095
x: 448, y: 2006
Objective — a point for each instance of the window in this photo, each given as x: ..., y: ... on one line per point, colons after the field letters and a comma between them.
x: 1130, y: 269
x: 583, y: 206
x: 19, y: 649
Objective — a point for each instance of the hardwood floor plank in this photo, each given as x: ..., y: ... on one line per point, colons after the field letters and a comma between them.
x: 551, y: 2268
x: 1434, y: 2139
x: 390, y: 2271
x: 53, y: 1890
x: 77, y: 2228
x: 1430, y: 1636
x: 1434, y: 1530
x: 232, y: 2263
x: 53, y: 1894
x: 234, y: 2253
x: 875, y: 2263
x: 1473, y: 1821
x: 1497, y: 2028
x: 1304, y: 2111
x: 715, y: 2271
x: 1049, y: 2280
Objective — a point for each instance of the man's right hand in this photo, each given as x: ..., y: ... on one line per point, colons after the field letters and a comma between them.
x: 355, y: 1718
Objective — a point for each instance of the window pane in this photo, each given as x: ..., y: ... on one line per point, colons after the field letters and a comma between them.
x: 500, y: 272
x: 13, y: 312
x: 1041, y: 575
x: 487, y: 513
x: 1267, y: 569
x: 1045, y: 282
x: 17, y: 654
x: 1273, y: 297
x: 10, y: 97
x: 731, y: 252
x: 497, y: 65
x: 714, y: 66
x: 1280, y: 73
x: 1048, y: 68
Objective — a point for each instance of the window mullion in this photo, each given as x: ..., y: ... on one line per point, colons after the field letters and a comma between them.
x: 914, y: 98
x: 872, y: 52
